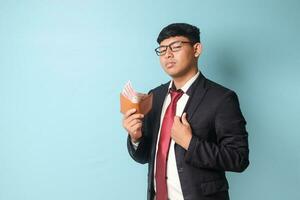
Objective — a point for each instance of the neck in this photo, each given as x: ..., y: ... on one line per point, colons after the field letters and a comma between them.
x: 180, y: 81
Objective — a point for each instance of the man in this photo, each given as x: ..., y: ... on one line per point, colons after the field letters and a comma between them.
x: 195, y: 130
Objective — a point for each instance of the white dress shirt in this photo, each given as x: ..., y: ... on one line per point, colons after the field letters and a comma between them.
x: 173, y: 182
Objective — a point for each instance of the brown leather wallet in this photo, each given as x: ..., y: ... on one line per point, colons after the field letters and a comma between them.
x: 143, y: 106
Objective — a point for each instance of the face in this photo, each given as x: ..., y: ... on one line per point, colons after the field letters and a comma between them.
x: 182, y: 62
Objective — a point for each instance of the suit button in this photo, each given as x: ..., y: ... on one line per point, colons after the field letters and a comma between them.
x: 180, y: 170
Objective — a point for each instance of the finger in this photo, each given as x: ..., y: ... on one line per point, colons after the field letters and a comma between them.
x: 136, y: 127
x: 176, y: 119
x: 184, y: 120
x: 129, y: 112
x: 132, y: 127
x: 134, y: 116
x: 134, y: 122
x: 127, y: 123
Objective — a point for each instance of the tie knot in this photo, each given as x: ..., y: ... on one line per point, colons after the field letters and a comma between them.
x: 175, y: 94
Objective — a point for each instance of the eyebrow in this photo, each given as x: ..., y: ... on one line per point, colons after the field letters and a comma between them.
x: 167, y: 44
x: 173, y: 42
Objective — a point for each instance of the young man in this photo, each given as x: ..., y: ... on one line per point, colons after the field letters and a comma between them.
x: 195, y: 130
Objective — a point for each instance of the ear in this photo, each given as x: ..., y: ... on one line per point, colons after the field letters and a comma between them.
x: 197, y: 49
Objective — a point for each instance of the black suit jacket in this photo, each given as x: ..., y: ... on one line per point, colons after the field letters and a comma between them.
x: 219, y: 142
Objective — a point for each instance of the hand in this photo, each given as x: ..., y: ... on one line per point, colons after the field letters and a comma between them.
x: 181, y: 131
x: 132, y: 122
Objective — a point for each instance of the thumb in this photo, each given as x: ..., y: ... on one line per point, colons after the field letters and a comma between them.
x: 176, y: 119
x: 184, y: 120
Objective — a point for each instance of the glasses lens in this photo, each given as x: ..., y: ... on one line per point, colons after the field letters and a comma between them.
x: 161, y: 50
x: 176, y: 46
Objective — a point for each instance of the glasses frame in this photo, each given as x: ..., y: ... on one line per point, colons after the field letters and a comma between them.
x: 170, y: 46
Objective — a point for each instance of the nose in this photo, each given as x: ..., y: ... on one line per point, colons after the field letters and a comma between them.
x: 169, y: 53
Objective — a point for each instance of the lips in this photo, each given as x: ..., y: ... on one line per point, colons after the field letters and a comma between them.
x: 170, y: 64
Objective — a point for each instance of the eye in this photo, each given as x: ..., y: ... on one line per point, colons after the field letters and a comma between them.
x: 162, y: 49
x: 162, y: 52
x: 176, y: 46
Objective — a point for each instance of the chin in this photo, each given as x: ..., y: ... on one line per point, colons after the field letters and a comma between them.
x: 175, y: 75
x: 171, y: 73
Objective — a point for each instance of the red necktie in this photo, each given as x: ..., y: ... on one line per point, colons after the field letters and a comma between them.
x: 163, y: 146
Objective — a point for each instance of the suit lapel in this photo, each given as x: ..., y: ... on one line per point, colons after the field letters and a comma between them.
x: 196, y: 93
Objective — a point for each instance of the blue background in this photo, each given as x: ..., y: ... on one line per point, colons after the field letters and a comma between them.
x: 63, y: 64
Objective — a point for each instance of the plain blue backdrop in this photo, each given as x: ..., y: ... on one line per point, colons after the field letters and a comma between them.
x: 64, y: 63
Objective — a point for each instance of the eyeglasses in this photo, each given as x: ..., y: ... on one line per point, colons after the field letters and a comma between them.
x: 174, y: 47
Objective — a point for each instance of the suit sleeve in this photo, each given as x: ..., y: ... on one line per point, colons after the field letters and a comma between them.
x: 230, y: 150
x: 141, y: 154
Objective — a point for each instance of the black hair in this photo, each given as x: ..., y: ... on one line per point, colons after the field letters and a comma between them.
x: 179, y: 29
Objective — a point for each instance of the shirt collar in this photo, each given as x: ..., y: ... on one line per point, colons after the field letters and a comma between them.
x: 187, y: 85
